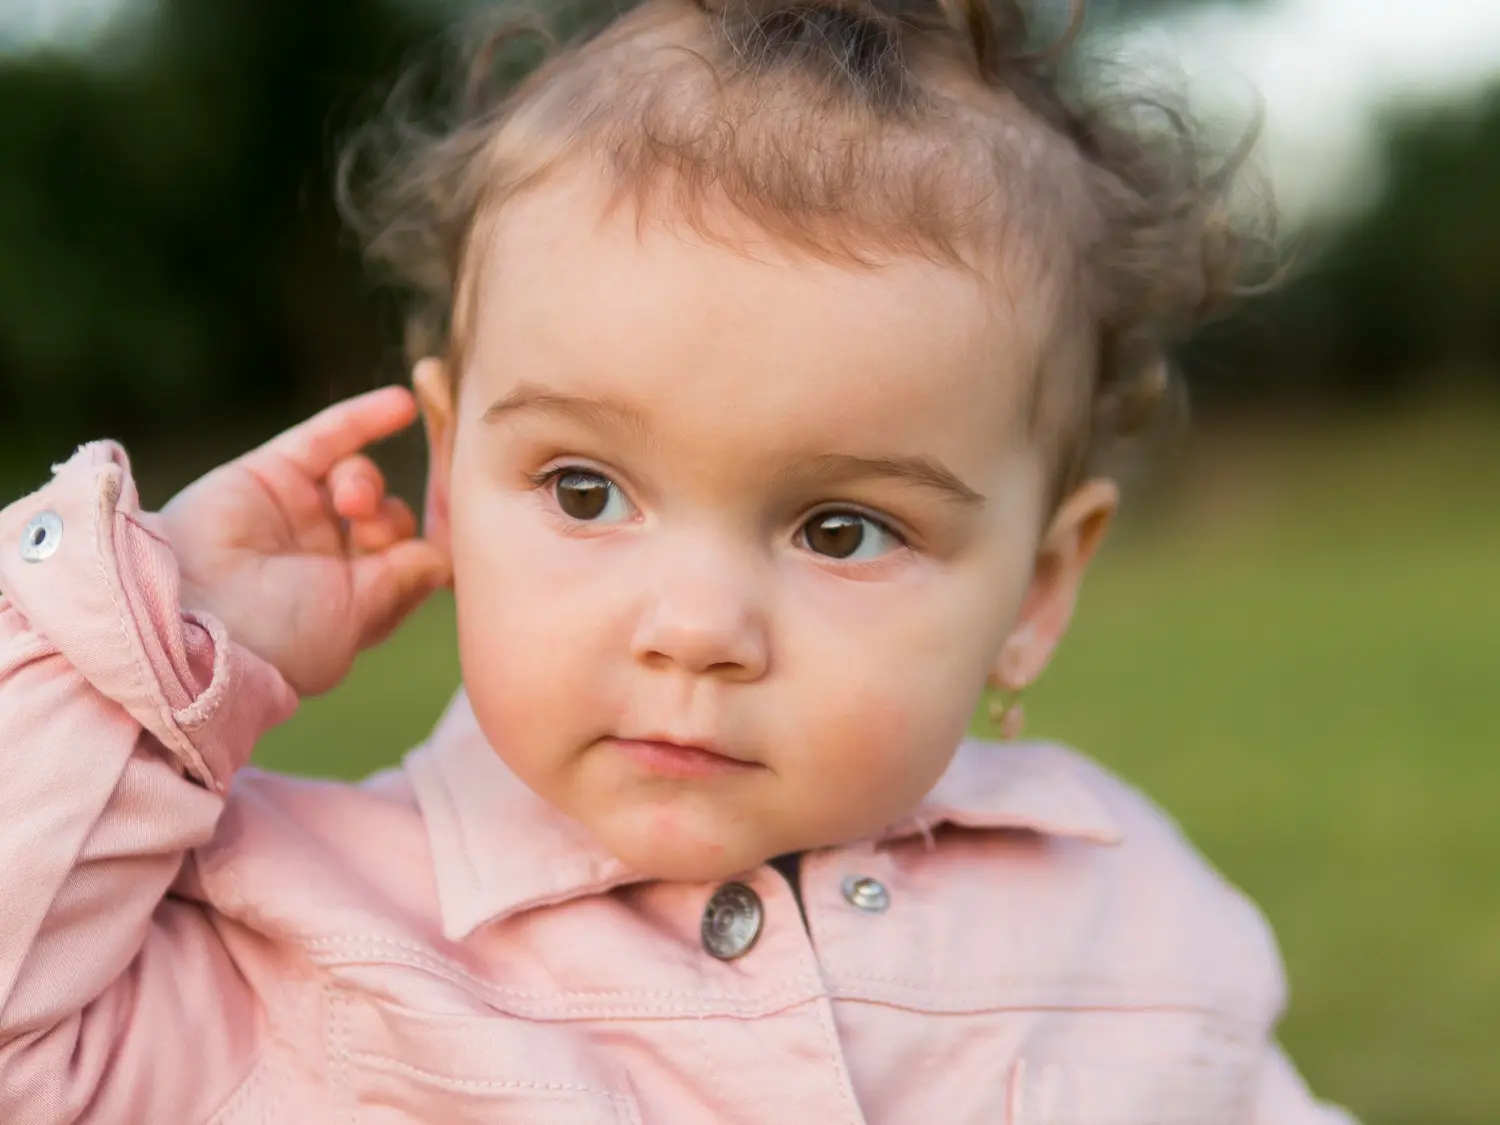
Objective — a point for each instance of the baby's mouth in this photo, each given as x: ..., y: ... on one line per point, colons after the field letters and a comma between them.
x: 666, y: 757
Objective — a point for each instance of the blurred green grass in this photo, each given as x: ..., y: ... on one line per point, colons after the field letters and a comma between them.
x: 1298, y: 655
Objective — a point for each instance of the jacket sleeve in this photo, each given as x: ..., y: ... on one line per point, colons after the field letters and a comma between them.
x: 122, y: 720
x: 1283, y: 1098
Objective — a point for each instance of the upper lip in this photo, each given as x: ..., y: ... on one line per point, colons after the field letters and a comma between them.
x: 684, y: 743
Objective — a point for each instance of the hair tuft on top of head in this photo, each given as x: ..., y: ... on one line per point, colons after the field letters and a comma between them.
x: 855, y: 43
x: 865, y: 39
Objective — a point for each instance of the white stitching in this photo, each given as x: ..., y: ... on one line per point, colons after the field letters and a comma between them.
x: 349, y: 950
x: 336, y: 1008
x: 274, y: 1109
x: 1083, y: 992
x: 208, y: 701
x: 237, y: 1099
x: 372, y: 1059
x: 164, y: 712
x: 824, y: 1015
x: 562, y: 1011
x: 355, y: 946
x: 708, y: 1054
x: 148, y: 682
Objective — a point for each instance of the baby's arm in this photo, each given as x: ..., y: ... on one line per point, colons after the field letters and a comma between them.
x: 140, y: 659
x: 121, y: 722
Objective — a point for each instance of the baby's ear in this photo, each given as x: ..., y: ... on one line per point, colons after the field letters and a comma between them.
x: 434, y: 390
x: 1062, y: 558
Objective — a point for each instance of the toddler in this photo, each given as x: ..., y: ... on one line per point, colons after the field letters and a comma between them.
x: 770, y: 354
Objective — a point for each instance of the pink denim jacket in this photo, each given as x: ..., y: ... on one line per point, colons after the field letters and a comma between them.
x: 1036, y: 946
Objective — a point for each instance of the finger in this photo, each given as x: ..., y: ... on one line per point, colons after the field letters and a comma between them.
x: 357, y: 488
x: 390, y: 585
x: 393, y: 522
x: 313, y: 447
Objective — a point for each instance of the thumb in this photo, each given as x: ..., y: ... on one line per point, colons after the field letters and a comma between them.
x: 392, y: 583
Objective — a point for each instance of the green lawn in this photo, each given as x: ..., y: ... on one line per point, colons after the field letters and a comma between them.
x: 1301, y: 661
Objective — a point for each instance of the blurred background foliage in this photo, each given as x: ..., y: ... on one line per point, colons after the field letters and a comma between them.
x: 171, y: 251
x: 1298, y: 653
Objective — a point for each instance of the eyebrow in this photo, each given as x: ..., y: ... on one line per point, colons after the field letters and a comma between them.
x: 831, y: 467
x: 921, y: 471
x: 600, y: 413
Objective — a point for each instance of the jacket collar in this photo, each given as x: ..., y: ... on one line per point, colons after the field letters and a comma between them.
x: 498, y: 849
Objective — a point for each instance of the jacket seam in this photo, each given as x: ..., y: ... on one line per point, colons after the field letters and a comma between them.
x: 389, y: 1062
x: 350, y: 950
x: 120, y: 612
x: 183, y: 746
x: 1077, y: 994
x: 354, y: 950
x: 224, y: 1115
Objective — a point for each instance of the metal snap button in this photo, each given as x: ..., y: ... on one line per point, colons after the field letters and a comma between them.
x: 732, y: 921
x: 42, y: 536
x: 866, y: 894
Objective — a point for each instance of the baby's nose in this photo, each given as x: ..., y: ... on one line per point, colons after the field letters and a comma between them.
x: 705, y: 620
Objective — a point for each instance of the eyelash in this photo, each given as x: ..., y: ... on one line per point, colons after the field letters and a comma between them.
x: 547, y: 477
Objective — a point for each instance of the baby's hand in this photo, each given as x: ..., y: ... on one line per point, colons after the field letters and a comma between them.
x: 297, y: 549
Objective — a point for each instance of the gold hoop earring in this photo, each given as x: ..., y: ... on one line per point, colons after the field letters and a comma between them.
x: 1007, y: 715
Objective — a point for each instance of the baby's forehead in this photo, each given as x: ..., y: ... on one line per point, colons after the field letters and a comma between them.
x: 573, y: 253
x: 732, y: 358
x: 552, y: 231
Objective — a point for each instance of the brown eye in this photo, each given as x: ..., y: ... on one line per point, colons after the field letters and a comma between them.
x: 585, y: 496
x: 848, y: 536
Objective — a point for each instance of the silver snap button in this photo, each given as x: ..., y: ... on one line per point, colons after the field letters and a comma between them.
x: 866, y: 894
x: 731, y: 921
x: 42, y: 536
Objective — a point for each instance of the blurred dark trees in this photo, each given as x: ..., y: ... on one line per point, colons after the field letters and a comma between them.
x: 1402, y: 299
x: 171, y: 252
x: 170, y: 257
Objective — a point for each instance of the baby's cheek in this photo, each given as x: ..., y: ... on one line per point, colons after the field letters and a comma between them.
x: 513, y: 665
x: 883, y: 724
x: 885, y: 754
x: 517, y: 609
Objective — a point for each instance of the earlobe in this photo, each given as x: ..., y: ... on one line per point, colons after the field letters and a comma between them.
x: 1063, y: 557
x: 434, y: 392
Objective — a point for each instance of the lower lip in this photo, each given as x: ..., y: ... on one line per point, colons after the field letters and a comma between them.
x: 668, y: 760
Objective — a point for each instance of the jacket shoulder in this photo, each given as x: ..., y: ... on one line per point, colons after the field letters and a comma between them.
x: 1176, y: 899
x: 315, y: 860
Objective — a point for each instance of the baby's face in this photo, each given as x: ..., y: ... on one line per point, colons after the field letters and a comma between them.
x: 737, y: 537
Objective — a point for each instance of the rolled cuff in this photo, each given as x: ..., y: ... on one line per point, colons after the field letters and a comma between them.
x: 93, y: 575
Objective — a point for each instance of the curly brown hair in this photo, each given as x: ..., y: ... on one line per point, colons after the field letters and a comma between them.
x: 853, y: 129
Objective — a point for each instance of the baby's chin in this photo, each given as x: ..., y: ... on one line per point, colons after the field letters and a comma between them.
x: 677, y: 850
